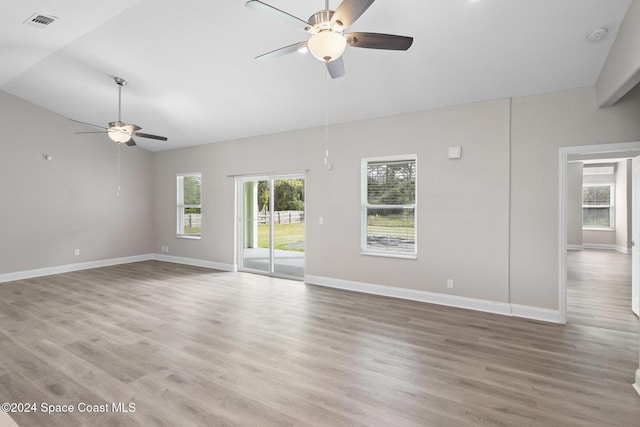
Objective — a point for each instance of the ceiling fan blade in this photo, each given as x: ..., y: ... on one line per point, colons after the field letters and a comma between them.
x: 281, y: 14
x: 283, y: 50
x: 379, y: 41
x: 148, y: 135
x: 130, y: 142
x: 336, y: 68
x: 89, y: 124
x: 78, y: 133
x: 350, y: 10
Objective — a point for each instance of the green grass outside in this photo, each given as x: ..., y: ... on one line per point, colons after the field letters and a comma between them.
x: 290, y: 237
x: 390, y: 225
x: 287, y: 237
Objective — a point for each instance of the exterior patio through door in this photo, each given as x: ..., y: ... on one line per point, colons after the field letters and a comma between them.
x: 271, y: 227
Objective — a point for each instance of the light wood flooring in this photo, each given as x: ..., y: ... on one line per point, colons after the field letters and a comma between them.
x: 190, y: 346
x: 599, y: 290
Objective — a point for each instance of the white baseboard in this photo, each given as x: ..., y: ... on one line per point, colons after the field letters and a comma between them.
x: 46, y: 271
x: 196, y: 262
x: 607, y: 247
x: 436, y: 298
x: 535, y: 313
x: 637, y: 383
x: 571, y: 247
x: 390, y: 291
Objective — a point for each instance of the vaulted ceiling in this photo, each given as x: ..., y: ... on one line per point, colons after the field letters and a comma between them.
x: 192, y: 75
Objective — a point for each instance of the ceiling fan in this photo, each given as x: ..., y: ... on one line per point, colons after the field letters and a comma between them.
x: 118, y: 131
x: 328, y: 40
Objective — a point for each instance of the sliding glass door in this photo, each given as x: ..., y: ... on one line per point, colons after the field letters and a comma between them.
x: 255, y: 236
x: 271, y: 233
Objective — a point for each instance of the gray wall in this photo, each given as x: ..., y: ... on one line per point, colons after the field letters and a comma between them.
x: 51, y: 208
x: 599, y: 237
x: 574, y: 204
x: 465, y: 229
x: 624, y: 204
x: 463, y: 204
x: 541, y: 125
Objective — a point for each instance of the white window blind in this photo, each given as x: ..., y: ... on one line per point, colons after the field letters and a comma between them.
x: 189, y: 218
x: 389, y: 206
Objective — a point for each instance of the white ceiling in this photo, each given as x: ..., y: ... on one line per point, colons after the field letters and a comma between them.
x: 192, y: 76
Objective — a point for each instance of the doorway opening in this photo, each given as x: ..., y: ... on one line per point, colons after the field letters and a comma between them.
x: 596, y: 274
x: 271, y: 226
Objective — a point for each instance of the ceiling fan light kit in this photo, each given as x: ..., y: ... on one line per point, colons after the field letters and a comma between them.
x: 327, y: 45
x: 328, y: 42
x: 118, y: 131
x: 118, y: 134
x: 121, y: 132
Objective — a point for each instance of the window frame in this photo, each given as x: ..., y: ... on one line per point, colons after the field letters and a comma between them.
x: 610, y: 206
x: 181, y: 206
x: 365, y: 206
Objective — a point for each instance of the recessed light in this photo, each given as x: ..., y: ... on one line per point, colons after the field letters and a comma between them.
x: 597, y: 34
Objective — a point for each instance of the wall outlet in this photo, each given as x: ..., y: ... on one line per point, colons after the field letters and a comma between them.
x: 449, y: 283
x: 321, y: 220
x: 76, y: 252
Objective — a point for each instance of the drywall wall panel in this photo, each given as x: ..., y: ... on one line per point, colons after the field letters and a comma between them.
x: 574, y: 204
x: 599, y: 237
x: 50, y: 208
x: 621, y: 208
x: 541, y: 125
x: 462, y: 204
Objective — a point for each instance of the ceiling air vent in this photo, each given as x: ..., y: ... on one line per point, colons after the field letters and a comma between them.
x: 40, y: 21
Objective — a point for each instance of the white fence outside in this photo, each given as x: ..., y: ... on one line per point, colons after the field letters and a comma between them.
x: 192, y: 220
x: 281, y: 217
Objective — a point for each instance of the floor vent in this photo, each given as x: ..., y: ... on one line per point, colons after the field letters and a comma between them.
x: 40, y: 21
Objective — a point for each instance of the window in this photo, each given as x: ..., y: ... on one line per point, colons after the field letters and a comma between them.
x: 389, y: 206
x: 597, y: 206
x: 189, y: 204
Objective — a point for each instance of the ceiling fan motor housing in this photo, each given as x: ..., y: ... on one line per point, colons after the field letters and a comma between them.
x: 322, y: 20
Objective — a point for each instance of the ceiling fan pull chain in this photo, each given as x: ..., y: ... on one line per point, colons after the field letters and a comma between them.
x: 118, y: 171
x: 326, y: 120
